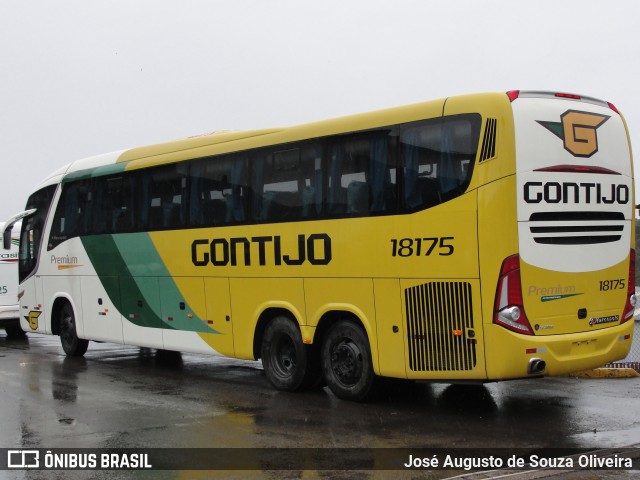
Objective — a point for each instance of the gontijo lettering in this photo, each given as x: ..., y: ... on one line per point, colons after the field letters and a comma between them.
x: 314, y: 249
x: 572, y: 192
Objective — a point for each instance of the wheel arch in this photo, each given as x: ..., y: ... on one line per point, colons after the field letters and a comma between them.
x: 58, y: 303
x: 265, y: 317
x: 333, y: 316
x: 327, y: 318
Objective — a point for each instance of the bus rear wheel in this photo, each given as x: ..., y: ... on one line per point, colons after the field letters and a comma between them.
x: 284, y: 356
x: 71, y: 344
x: 346, y: 361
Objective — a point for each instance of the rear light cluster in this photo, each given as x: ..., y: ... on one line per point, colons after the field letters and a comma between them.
x: 508, y: 308
x: 629, y: 307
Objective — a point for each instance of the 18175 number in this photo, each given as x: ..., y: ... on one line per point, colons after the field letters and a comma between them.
x: 615, y: 284
x: 418, y: 247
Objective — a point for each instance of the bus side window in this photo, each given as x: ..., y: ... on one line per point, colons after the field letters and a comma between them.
x: 205, y: 186
x: 438, y: 156
x: 311, y: 180
x: 237, y: 193
x: 120, y: 192
x: 459, y: 146
x: 218, y: 191
x: 287, y: 183
x: 337, y: 193
x: 72, y: 218
x: 418, y: 145
x: 163, y: 192
x: 113, y: 206
x: 362, y: 174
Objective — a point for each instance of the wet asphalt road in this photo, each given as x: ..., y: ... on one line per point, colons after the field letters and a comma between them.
x: 120, y: 396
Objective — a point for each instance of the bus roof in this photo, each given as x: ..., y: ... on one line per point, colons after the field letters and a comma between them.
x: 222, y: 142
x: 230, y: 141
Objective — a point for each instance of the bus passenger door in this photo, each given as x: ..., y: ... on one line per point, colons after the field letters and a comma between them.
x: 218, y: 295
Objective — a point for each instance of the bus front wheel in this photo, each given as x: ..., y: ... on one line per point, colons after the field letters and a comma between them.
x: 284, y: 356
x: 71, y: 344
x: 14, y: 331
x: 346, y: 361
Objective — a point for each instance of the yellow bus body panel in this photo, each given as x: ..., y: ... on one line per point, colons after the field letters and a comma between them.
x: 553, y: 299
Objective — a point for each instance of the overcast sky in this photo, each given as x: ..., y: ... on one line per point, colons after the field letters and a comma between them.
x: 83, y: 77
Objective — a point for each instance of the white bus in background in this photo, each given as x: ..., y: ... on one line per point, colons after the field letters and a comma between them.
x: 9, y: 307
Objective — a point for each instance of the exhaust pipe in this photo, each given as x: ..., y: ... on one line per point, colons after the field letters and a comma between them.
x: 537, y: 366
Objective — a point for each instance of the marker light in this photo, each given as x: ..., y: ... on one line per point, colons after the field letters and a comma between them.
x: 568, y: 95
x: 613, y: 107
x: 508, y: 307
x: 513, y: 94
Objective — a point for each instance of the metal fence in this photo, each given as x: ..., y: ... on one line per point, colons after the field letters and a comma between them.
x: 633, y: 359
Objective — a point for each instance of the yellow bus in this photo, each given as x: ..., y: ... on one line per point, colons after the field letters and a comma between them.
x: 480, y: 237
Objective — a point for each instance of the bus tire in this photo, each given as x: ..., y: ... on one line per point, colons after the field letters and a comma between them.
x: 284, y: 356
x: 346, y: 361
x: 14, y: 331
x: 71, y: 344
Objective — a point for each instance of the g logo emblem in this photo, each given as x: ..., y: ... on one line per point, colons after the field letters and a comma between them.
x: 578, y: 131
x: 33, y: 319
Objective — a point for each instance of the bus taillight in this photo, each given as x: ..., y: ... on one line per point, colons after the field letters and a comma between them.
x: 508, y: 307
x: 629, y: 307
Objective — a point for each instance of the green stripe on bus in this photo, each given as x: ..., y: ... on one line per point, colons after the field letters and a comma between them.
x: 94, y: 172
x: 133, y: 259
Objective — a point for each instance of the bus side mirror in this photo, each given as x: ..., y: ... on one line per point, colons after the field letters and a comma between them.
x: 6, y: 238
x: 8, y: 226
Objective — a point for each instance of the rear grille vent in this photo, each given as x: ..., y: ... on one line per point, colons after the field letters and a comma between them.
x: 440, y: 326
x: 576, y: 228
x: 489, y: 141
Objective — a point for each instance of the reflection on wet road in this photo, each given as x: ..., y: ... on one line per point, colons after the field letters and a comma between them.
x: 120, y: 396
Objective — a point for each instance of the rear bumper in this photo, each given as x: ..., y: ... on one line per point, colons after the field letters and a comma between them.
x: 509, y: 354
